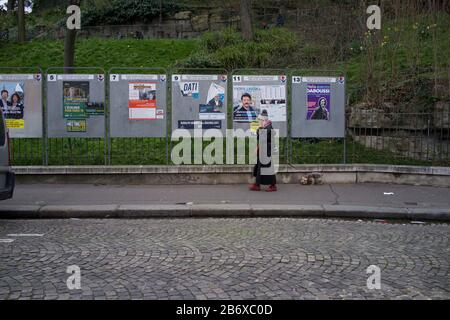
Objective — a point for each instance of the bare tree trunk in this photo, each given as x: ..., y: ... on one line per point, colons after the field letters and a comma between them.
x: 69, y: 49
x: 246, y: 19
x: 448, y: 65
x: 160, y: 12
x: 69, y: 44
x: 433, y: 10
x: 21, y: 37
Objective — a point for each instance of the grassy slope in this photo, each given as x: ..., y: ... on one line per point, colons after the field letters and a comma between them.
x: 98, y: 53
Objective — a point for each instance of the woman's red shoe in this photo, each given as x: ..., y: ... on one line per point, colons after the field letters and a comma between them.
x: 272, y: 188
x: 255, y: 187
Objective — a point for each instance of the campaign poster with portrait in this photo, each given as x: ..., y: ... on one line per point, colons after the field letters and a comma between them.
x: 250, y: 100
x: 213, y: 107
x: 319, y: 101
x: 75, y: 99
x: 142, y: 101
x: 12, y: 104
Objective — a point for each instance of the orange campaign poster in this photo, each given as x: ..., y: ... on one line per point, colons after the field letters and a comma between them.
x: 142, y: 101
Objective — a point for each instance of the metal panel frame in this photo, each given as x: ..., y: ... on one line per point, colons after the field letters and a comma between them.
x: 108, y: 96
x: 104, y: 92
x: 43, y: 122
x: 318, y: 72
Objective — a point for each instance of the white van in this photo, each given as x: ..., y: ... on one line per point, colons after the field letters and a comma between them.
x: 7, y: 179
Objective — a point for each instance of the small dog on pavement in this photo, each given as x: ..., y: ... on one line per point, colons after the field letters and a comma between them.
x: 311, y: 179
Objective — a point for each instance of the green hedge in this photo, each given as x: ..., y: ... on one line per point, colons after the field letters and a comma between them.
x: 273, y: 48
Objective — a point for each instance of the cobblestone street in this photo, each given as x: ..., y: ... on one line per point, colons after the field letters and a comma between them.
x: 276, y: 258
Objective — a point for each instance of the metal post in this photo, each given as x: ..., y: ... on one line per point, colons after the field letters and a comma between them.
x: 168, y: 118
x: 107, y: 142
x: 44, y: 122
x: 345, y: 151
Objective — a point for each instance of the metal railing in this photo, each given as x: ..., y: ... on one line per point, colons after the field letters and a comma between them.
x: 400, y: 138
x: 371, y: 137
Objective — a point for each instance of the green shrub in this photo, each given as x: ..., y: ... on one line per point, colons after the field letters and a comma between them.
x: 212, y: 41
x: 273, y: 48
x: 200, y: 60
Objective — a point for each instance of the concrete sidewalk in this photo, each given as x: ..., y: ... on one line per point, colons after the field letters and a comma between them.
x: 381, y: 201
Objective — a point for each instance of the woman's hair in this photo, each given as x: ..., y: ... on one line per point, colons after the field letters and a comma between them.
x: 320, y: 101
x: 15, y: 95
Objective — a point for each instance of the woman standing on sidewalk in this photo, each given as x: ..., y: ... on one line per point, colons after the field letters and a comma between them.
x: 264, y: 172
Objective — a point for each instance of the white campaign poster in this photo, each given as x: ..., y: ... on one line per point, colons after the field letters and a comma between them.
x: 262, y: 97
x: 142, y: 101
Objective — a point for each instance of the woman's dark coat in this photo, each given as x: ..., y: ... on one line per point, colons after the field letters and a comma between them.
x: 261, y: 178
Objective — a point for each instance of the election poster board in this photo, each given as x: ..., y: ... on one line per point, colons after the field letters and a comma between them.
x: 199, y: 102
x: 254, y: 93
x: 76, y: 105
x: 318, y: 107
x: 21, y: 104
x: 138, y: 105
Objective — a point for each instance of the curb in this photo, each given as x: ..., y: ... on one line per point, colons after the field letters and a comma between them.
x: 174, y: 169
x: 221, y: 211
x: 230, y: 174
